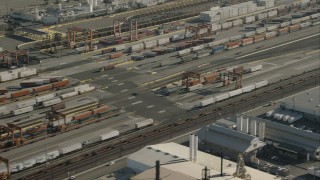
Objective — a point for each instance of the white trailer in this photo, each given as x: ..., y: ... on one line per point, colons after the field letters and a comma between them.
x: 109, y: 135
x: 51, y: 102
x: 150, y: 44
x: 233, y: 38
x: 144, y: 123
x: 28, y: 72
x: 45, y: 97
x: 248, y: 34
x: 26, y: 103
x: 70, y: 148
x: 226, y: 25
x: 137, y: 47
x: 67, y: 95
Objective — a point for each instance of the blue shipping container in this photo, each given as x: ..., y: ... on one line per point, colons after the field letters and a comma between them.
x: 217, y: 49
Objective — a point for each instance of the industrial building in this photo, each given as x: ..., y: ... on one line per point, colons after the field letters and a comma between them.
x: 307, y: 102
x: 175, y: 164
x: 290, y: 141
x: 218, y: 139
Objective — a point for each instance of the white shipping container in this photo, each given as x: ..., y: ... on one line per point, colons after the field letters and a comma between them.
x: 70, y: 148
x: 203, y: 31
x: 91, y: 88
x: 235, y: 92
x: 80, y: 87
x: 284, y: 24
x: 248, y: 34
x: 109, y: 135
x: 149, y: 44
x: 305, y: 24
x: 271, y: 34
x: 262, y: 16
x: 51, y: 102
x: 29, y: 163
x: 206, y: 102
x: 45, y: 97
x: 272, y: 13
x: 223, y: 40
x: 144, y: 123
x: 26, y: 103
x: 216, y: 27
x: 195, y: 87
x: 68, y: 119
x: 196, y: 48
x: 270, y: 28
x: 22, y: 110
x: 177, y: 37
x: 252, y: 8
x: 58, y: 122
x: 259, y: 8
x: 18, y: 70
x: 120, y: 47
x: 41, y: 158
x: 261, y: 84
x: 226, y: 25
x: 185, y: 51
x: 249, y: 19
x: 248, y: 88
x: 4, y: 110
x: 313, y: 16
x: 52, y: 154
x: 28, y: 72
x: 261, y: 30
x: 237, y: 22
x: 255, y: 68
x: 222, y: 97
x: 233, y: 38
x: 8, y: 76
x: 243, y: 10
x: 67, y: 95
x: 15, y: 167
x: 137, y: 47
x: 163, y: 41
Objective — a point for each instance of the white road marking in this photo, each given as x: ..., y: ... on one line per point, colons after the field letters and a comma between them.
x: 150, y: 106
x: 120, y: 84
x: 138, y: 102
x: 277, y: 46
x: 114, y: 80
x: 110, y: 78
x: 124, y: 90
x: 132, y: 97
x: 162, y: 111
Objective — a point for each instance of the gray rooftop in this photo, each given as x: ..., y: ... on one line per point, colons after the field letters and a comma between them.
x: 307, y: 101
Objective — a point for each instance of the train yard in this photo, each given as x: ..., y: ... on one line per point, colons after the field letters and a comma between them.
x: 146, y: 79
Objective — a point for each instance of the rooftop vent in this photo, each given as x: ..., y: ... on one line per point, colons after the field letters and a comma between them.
x: 308, y: 93
x: 167, y: 153
x: 175, y: 156
x: 158, y: 151
x: 310, y: 100
x: 149, y: 147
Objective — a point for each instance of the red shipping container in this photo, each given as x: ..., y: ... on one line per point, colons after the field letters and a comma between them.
x: 82, y: 115
x: 247, y: 41
x: 42, y: 88
x: 232, y: 45
x: 61, y: 83
x: 20, y: 93
x: 100, y: 110
x: 105, y: 51
x: 284, y: 30
x: 115, y: 55
x: 294, y: 27
x: 3, y: 99
x: 3, y: 90
x: 259, y: 38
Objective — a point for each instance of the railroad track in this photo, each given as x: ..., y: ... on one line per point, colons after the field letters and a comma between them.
x: 132, y: 142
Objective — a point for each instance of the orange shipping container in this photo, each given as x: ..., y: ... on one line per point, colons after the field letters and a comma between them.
x: 193, y: 82
x: 259, y: 38
x: 82, y: 115
x: 42, y: 88
x: 294, y: 27
x: 210, y: 78
x: 20, y: 93
x: 231, y: 45
x: 115, y: 55
x: 3, y: 90
x: 284, y: 30
x: 61, y: 83
x: 100, y: 110
x: 247, y: 41
x: 3, y: 98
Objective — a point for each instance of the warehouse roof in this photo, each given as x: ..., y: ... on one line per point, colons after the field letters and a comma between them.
x: 229, y: 138
x: 307, y: 101
x: 178, y: 165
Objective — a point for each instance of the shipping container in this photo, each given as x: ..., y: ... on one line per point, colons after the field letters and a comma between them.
x: 59, y: 106
x: 60, y: 84
x: 189, y: 57
x: 203, y: 54
x: 270, y: 35
x: 115, y: 55
x: 216, y: 27
x: 163, y: 41
x: 108, y: 67
x: 272, y: 13
x: 248, y: 88
x: 8, y: 76
x: 226, y: 25
x: 42, y: 88
x: 100, y: 110
x: 22, y: 110
x: 246, y: 41
x: 238, y: 69
x: 106, y: 51
x: 59, y: 122
x: 209, y: 78
x: 197, y: 48
x: 70, y: 148
x: 28, y: 72
x: 20, y: 93
x: 144, y: 123
x: 177, y: 37
x: 233, y: 38
x: 314, y: 16
x: 41, y: 159
x: 53, y: 154
x: 136, y: 47
x: 3, y: 98
x: 82, y: 115
x: 206, y: 102
x: 15, y: 167
x: 261, y: 30
x: 45, y: 97
x: 249, y: 19
x: 51, y: 102
x: 109, y: 135
x: 150, y: 44
x: 119, y: 48
x: 249, y: 34
x: 3, y: 90
x: 232, y: 45
x: 235, y: 92
x: 80, y: 87
x: 255, y: 68
x: 305, y: 24
x: 185, y: 51
x: 91, y: 88
x: 217, y: 49
x: 262, y: 16
x: 283, y: 30
x: 195, y: 87
x: 271, y: 28
x: 258, y: 38
x: 26, y: 103
x: 294, y: 28
x: 261, y: 84
x: 221, y: 97
x: 150, y: 54
x: 4, y: 111
x: 137, y: 57
x: 237, y: 22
